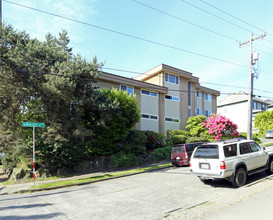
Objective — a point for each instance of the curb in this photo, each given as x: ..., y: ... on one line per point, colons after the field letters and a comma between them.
x: 84, y: 183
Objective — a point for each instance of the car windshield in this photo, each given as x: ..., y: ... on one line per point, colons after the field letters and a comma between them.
x: 269, y: 131
x: 207, y: 151
x: 178, y: 149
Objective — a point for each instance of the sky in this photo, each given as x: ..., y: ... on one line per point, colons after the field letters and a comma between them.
x: 198, y: 36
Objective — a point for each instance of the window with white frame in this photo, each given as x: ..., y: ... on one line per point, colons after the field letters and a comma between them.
x: 171, y: 78
x: 208, y: 97
x: 169, y: 119
x: 130, y: 90
x: 173, y: 98
x: 198, y: 94
x: 208, y: 113
x: 146, y: 92
x: 148, y: 116
x: 198, y: 111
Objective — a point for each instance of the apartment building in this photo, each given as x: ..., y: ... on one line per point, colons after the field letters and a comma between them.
x: 166, y: 96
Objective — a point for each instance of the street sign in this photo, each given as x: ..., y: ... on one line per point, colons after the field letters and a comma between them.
x: 33, y: 124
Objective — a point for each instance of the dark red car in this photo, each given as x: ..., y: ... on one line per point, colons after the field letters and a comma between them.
x: 181, y: 153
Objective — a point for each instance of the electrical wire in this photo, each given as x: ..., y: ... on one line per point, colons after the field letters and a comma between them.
x: 131, y: 36
x: 251, y: 25
x: 196, y: 25
x: 188, y: 22
x: 144, y: 87
x: 236, y: 25
x: 128, y: 35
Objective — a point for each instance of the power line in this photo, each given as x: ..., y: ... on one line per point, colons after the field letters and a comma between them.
x: 144, y: 87
x: 191, y: 23
x: 196, y: 25
x: 131, y: 36
x: 251, y: 25
x: 128, y: 35
x: 236, y: 25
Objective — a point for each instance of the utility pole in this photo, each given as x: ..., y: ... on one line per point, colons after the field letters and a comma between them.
x: 250, y: 83
x: 0, y: 12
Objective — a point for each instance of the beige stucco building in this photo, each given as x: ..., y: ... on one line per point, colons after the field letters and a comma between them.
x: 166, y: 96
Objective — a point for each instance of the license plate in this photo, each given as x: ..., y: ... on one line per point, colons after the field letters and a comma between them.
x: 204, y: 166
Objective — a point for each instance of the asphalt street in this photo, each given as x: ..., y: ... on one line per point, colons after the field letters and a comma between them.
x: 170, y: 193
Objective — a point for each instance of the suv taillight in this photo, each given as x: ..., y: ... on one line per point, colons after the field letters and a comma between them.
x: 190, y: 164
x: 222, y: 165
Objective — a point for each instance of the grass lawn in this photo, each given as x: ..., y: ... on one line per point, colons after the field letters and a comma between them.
x: 65, y: 183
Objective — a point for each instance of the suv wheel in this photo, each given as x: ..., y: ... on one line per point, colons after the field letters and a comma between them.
x: 240, y: 178
x: 269, y: 171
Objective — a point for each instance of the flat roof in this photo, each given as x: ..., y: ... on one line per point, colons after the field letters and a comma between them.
x: 132, y: 82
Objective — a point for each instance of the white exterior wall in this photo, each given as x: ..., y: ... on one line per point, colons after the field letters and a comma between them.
x: 149, y: 106
x: 237, y: 113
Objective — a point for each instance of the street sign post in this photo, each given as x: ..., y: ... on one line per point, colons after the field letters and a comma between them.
x: 33, y: 125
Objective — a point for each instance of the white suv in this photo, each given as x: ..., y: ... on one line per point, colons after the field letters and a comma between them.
x: 233, y: 160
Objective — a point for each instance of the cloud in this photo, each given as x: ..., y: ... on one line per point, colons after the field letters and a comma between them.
x: 39, y: 24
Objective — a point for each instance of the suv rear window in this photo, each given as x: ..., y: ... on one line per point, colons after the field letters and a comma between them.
x: 230, y: 150
x: 207, y: 151
x: 178, y: 149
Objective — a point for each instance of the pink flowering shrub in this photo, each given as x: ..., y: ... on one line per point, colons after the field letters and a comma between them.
x: 219, y: 126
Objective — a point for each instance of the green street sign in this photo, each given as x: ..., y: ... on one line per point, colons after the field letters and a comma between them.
x: 33, y: 124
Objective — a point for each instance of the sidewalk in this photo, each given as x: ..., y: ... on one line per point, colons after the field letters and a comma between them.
x: 26, y: 187
x: 257, y: 207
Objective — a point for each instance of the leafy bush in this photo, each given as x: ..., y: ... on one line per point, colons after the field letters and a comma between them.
x: 138, y: 150
x: 194, y: 126
x: 197, y: 139
x: 176, y: 136
x: 123, y: 159
x: 220, y: 127
x: 154, y: 140
x: 163, y: 153
x: 254, y: 137
x: 178, y: 139
x: 263, y: 122
x: 108, y: 136
x: 136, y: 137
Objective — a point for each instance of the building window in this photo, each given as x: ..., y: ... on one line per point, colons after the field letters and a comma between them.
x: 207, y: 113
x: 130, y: 90
x: 171, y: 78
x: 173, y: 98
x: 198, y: 111
x: 145, y: 92
x: 198, y: 94
x: 176, y: 120
x: 147, y: 116
x: 189, y: 113
x: 208, y: 97
x: 254, y: 105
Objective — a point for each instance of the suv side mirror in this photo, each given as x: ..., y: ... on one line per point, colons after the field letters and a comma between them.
x: 263, y: 148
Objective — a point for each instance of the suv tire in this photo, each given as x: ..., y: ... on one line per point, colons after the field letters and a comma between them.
x: 240, y: 177
x: 269, y: 171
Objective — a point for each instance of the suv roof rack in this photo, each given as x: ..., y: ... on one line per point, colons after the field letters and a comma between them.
x: 233, y: 140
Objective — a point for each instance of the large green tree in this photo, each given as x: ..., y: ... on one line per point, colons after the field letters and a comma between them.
x: 43, y: 81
